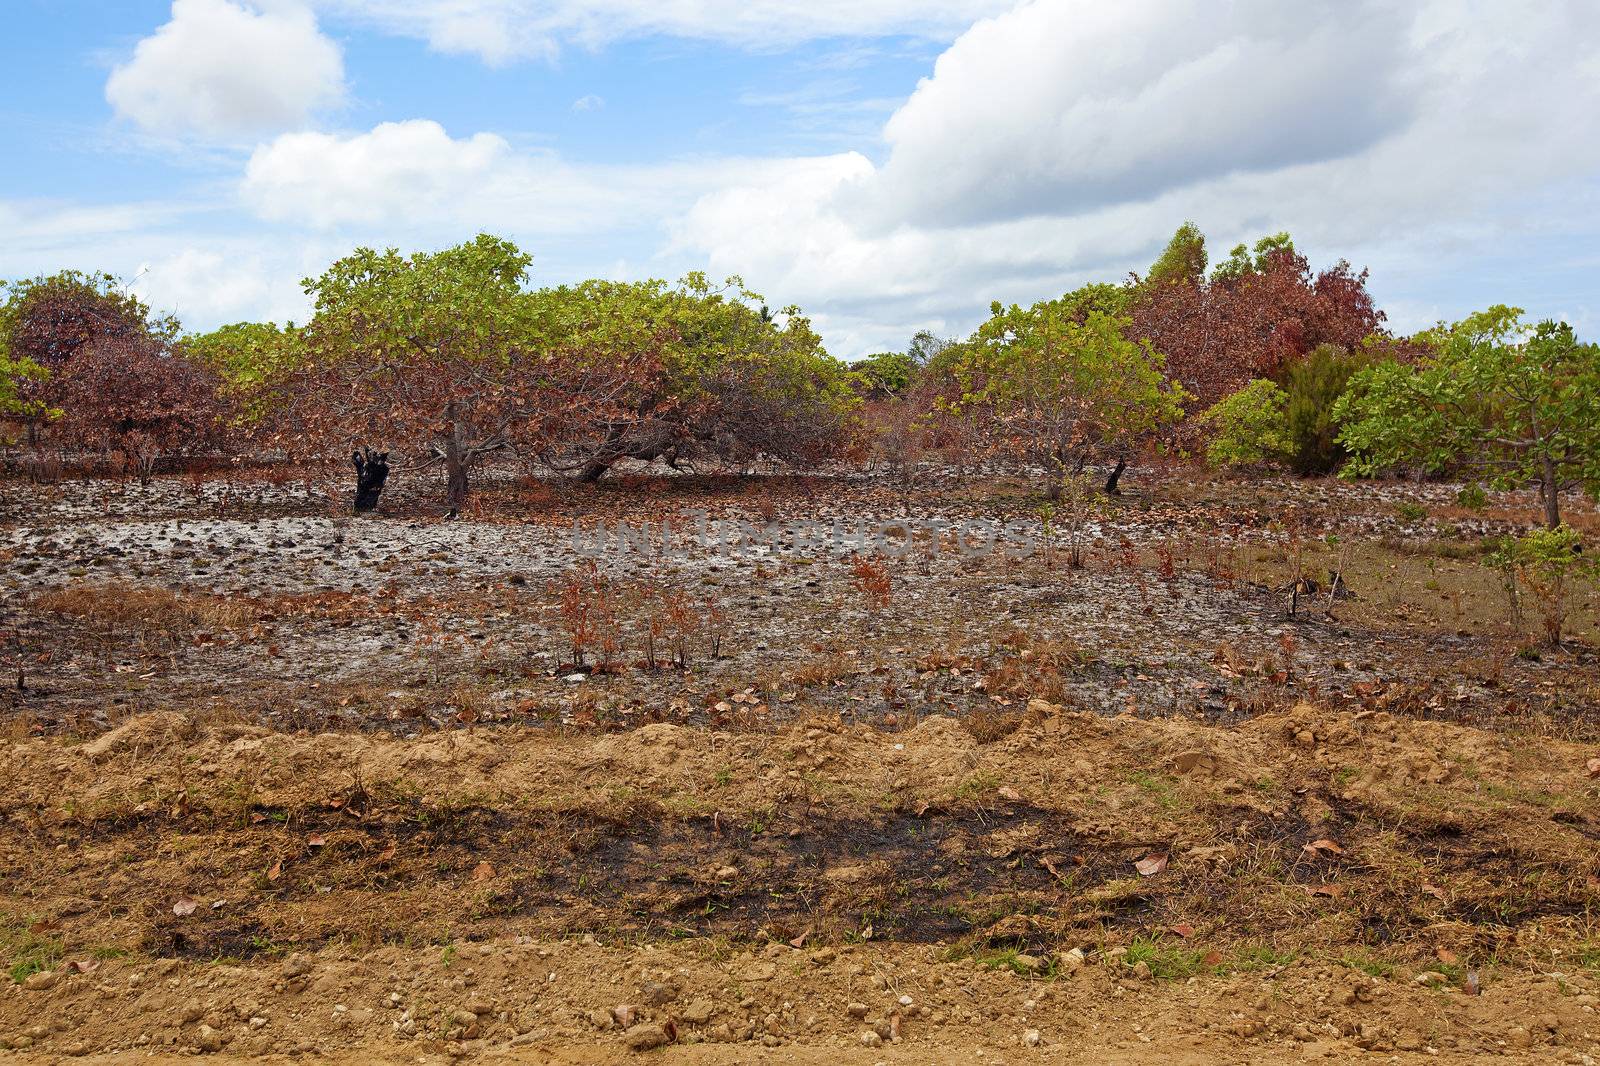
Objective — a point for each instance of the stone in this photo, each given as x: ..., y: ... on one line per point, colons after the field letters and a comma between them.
x: 856, y: 1010
x: 1032, y: 1038
x: 209, y: 1040
x: 42, y: 981
x: 699, y: 1012
x: 646, y: 1036
x: 871, y: 1039
x: 654, y: 993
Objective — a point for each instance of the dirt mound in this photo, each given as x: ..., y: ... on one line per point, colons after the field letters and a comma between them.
x: 822, y: 890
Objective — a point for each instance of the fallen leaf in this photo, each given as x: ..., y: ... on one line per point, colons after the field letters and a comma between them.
x: 1448, y: 957
x: 1433, y: 890
x: 315, y: 840
x: 1212, y: 958
x: 1318, y: 847
x: 1184, y: 931
x: 1332, y: 891
x: 799, y: 941
x: 1009, y: 794
x: 387, y: 853
x: 483, y: 871
x: 275, y: 871
x: 1151, y: 864
x: 1594, y: 767
x: 84, y: 965
x: 185, y: 907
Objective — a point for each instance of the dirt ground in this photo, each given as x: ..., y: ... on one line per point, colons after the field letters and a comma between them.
x: 282, y: 784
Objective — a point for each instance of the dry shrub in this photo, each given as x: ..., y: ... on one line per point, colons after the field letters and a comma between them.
x: 873, y: 581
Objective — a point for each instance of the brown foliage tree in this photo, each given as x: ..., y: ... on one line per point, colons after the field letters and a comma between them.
x: 1218, y: 334
x: 126, y: 394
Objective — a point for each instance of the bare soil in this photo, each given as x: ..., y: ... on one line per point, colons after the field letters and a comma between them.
x: 285, y: 784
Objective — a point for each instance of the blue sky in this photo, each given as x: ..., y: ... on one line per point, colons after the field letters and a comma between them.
x: 888, y: 165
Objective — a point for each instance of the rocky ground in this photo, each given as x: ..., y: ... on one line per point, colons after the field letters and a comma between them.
x: 280, y: 782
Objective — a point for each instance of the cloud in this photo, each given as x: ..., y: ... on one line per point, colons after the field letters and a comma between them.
x: 500, y: 31
x: 412, y: 177
x: 225, y: 70
x: 589, y: 103
x: 1090, y: 104
x: 399, y: 170
x: 1062, y: 142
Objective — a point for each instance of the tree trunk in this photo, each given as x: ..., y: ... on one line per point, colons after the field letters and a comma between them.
x: 1116, y: 476
x: 1550, y: 490
x: 455, y: 468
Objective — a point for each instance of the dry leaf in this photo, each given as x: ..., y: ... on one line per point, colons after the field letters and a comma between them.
x: 185, y: 907
x: 1433, y: 890
x: 276, y: 871
x: 1009, y: 794
x: 387, y: 853
x: 315, y: 840
x: 483, y: 871
x: 1331, y: 891
x: 1184, y: 930
x: 1151, y: 864
x: 1594, y: 767
x: 1212, y: 958
x: 84, y: 965
x: 1318, y: 847
x: 1448, y: 957
x: 799, y: 941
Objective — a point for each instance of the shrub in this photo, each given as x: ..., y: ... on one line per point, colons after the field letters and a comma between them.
x: 1545, y: 562
x: 1313, y: 385
x: 1248, y: 428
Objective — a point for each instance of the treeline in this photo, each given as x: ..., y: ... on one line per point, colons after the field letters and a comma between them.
x: 447, y: 358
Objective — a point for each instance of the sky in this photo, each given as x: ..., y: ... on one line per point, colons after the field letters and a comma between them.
x: 888, y: 165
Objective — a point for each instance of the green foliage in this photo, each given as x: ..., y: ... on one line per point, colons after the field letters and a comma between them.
x: 1060, y: 381
x: 1545, y: 562
x: 885, y: 373
x: 15, y: 376
x: 464, y: 302
x: 1249, y: 427
x: 1472, y: 497
x: 246, y: 354
x: 1314, y: 385
x: 1241, y: 262
x: 249, y: 358
x: 1184, y: 258
x: 1497, y: 400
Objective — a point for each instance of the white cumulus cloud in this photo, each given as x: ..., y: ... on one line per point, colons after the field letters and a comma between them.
x: 396, y: 171
x: 228, y: 70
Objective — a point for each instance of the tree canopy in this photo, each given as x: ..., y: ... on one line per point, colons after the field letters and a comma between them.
x: 1499, y: 399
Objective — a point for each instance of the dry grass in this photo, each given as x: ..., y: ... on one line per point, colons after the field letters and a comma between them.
x: 143, y: 609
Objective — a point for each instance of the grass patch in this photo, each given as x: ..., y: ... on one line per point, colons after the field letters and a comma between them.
x: 25, y: 952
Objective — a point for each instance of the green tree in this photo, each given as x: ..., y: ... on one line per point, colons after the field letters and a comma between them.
x: 885, y: 374
x: 1498, y: 400
x: 1313, y: 386
x: 249, y: 358
x: 1248, y: 427
x: 1059, y: 383
x: 1184, y: 258
x: 1241, y: 262
x: 435, y: 351
x: 716, y: 373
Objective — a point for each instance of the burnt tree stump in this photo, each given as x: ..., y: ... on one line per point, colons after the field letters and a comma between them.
x: 372, y: 470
